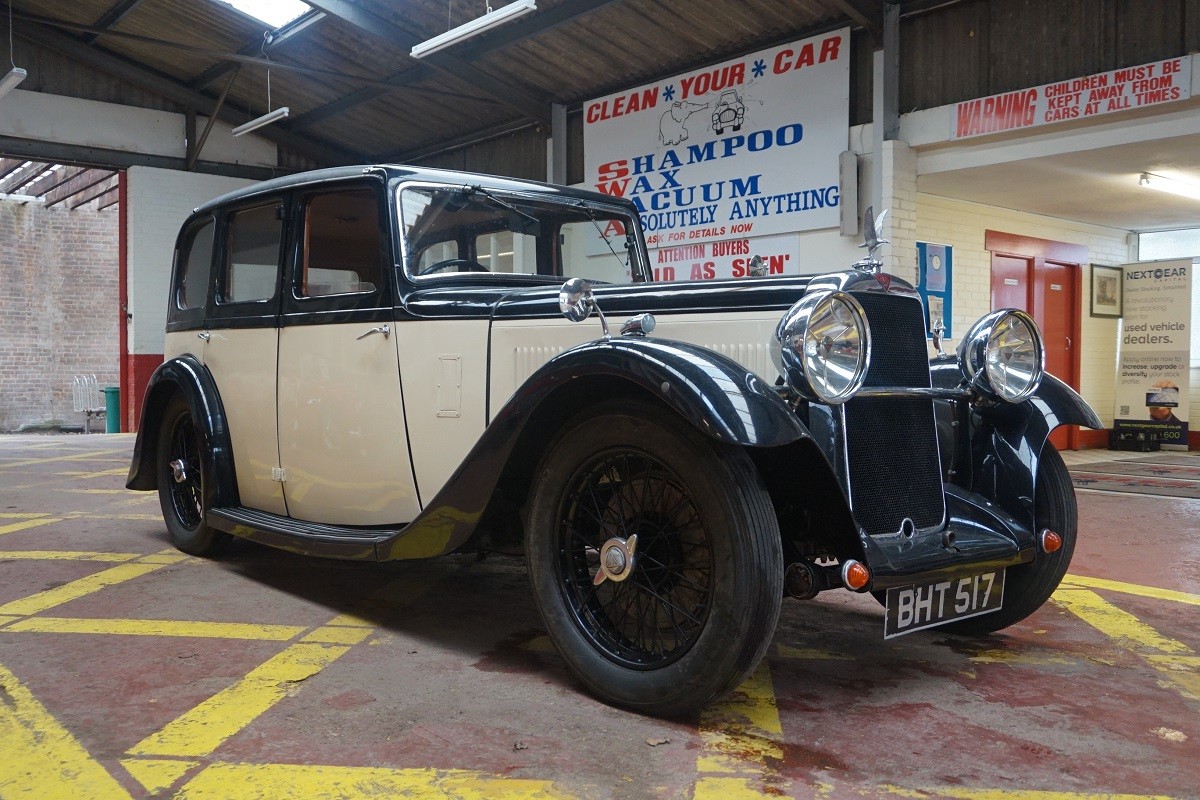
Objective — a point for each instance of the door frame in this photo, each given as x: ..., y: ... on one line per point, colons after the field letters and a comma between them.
x: 1072, y: 256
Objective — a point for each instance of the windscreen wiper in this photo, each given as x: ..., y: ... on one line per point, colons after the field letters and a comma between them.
x: 471, y: 191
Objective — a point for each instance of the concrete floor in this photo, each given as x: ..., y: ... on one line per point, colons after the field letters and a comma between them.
x: 130, y: 670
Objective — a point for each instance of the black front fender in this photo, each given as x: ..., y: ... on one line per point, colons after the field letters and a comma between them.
x: 1007, y: 442
x: 186, y: 376
x: 714, y: 393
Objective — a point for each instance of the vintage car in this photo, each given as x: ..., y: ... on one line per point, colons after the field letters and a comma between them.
x: 373, y: 363
x: 730, y: 112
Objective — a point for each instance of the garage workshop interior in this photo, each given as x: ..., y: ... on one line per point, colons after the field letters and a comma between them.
x: 712, y: 400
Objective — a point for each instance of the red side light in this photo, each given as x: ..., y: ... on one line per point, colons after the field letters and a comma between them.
x: 1051, y: 541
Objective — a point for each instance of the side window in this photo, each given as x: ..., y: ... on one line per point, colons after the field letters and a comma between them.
x: 195, y: 267
x: 253, y: 248
x: 342, y: 240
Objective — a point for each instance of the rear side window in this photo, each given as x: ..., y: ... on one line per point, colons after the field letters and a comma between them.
x: 253, y: 246
x: 195, y: 266
x: 342, y: 252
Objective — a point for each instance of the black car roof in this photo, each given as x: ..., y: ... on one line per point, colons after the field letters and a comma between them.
x: 396, y: 171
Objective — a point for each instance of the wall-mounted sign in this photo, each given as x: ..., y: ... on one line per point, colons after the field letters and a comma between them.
x: 935, y: 263
x: 745, y: 148
x: 1090, y: 96
x: 1155, y: 349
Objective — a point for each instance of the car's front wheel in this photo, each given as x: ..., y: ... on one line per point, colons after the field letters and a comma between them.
x: 655, y: 558
x: 1028, y: 586
x: 181, y: 483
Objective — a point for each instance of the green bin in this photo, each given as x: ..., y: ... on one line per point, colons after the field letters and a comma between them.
x: 112, y: 409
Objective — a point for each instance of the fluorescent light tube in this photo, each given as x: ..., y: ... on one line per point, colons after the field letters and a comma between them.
x: 474, y: 27
x: 10, y: 81
x: 1181, y: 188
x: 265, y: 119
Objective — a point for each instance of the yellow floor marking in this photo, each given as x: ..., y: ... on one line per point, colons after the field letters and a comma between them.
x: 157, y: 627
x: 1134, y: 589
x: 810, y: 654
x: 157, y: 774
x: 4, y: 620
x: 104, y: 473
x: 1020, y: 794
x: 94, y: 456
x: 36, y: 603
x: 27, y: 524
x: 203, y: 729
x: 17, y: 515
x: 65, y: 555
x: 99, y: 491
x: 738, y: 735
x: 41, y: 758
x: 200, y: 731
x: 303, y: 782
x: 1017, y: 659
x: 1173, y: 660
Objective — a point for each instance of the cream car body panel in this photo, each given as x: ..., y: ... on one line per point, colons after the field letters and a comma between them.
x: 181, y: 343
x: 444, y: 364
x: 242, y: 362
x: 343, y: 443
x: 519, y: 348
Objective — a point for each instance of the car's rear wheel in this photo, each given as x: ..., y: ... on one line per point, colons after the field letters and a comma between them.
x: 181, y: 483
x: 683, y: 613
x: 1028, y: 586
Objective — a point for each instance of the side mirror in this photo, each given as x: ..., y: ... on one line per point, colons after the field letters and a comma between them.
x: 575, y: 299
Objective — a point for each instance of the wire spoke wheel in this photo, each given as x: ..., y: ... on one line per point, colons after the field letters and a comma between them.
x: 187, y: 495
x: 655, y: 559
x: 653, y: 616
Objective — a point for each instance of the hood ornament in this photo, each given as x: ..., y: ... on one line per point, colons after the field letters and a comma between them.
x: 872, y: 240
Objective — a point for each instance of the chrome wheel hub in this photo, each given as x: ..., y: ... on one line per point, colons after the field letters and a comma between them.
x: 179, y: 470
x: 616, y: 559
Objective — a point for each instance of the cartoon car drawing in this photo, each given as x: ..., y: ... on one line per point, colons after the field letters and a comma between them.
x: 730, y: 111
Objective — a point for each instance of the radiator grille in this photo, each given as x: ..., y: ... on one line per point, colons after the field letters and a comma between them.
x: 892, y: 442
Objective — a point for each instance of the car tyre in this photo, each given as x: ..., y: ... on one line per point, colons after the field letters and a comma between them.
x: 695, y: 614
x: 1028, y: 586
x: 182, y: 501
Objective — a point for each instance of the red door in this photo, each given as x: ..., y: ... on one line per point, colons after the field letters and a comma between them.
x: 1049, y: 292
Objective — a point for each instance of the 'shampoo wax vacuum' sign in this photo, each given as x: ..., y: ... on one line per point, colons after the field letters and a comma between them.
x: 737, y: 150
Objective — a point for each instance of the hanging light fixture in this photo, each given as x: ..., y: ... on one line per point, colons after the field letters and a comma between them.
x: 475, y: 27
x: 270, y: 116
x: 16, y: 74
x: 1170, y: 185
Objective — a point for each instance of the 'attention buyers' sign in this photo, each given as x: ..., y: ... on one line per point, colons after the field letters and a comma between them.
x: 1090, y: 96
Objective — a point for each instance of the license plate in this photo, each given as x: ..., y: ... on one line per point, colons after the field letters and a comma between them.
x: 927, y: 605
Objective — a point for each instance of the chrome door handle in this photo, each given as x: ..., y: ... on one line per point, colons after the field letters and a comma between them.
x: 205, y: 336
x: 386, y: 330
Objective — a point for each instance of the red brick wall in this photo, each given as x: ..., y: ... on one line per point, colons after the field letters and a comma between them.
x: 58, y: 308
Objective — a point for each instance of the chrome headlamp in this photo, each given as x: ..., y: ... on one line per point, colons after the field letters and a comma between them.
x: 1003, y: 354
x: 824, y: 346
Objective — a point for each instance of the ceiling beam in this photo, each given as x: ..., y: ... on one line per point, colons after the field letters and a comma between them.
x: 10, y: 165
x: 52, y: 182
x: 96, y: 194
x: 77, y: 155
x: 369, y: 22
x: 867, y: 13
x: 111, y: 18
x: 510, y: 34
x: 80, y: 184
x: 273, y: 40
x: 179, y: 92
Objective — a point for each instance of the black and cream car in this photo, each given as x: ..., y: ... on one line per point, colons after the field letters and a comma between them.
x: 373, y: 363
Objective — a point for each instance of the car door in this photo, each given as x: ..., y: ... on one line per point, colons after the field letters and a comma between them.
x: 242, y: 340
x: 342, y: 436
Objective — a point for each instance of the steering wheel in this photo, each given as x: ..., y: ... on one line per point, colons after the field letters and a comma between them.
x: 460, y: 264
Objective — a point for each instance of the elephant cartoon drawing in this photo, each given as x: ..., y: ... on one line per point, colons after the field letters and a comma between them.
x: 670, y: 128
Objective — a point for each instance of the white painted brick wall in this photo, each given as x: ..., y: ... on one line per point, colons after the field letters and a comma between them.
x: 158, y: 202
x: 962, y: 225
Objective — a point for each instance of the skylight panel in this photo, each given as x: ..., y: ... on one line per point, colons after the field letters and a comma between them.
x: 275, y: 13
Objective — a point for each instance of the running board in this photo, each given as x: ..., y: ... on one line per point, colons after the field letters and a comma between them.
x: 297, y: 536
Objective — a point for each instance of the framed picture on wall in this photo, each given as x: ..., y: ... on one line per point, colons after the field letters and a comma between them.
x: 1106, y: 291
